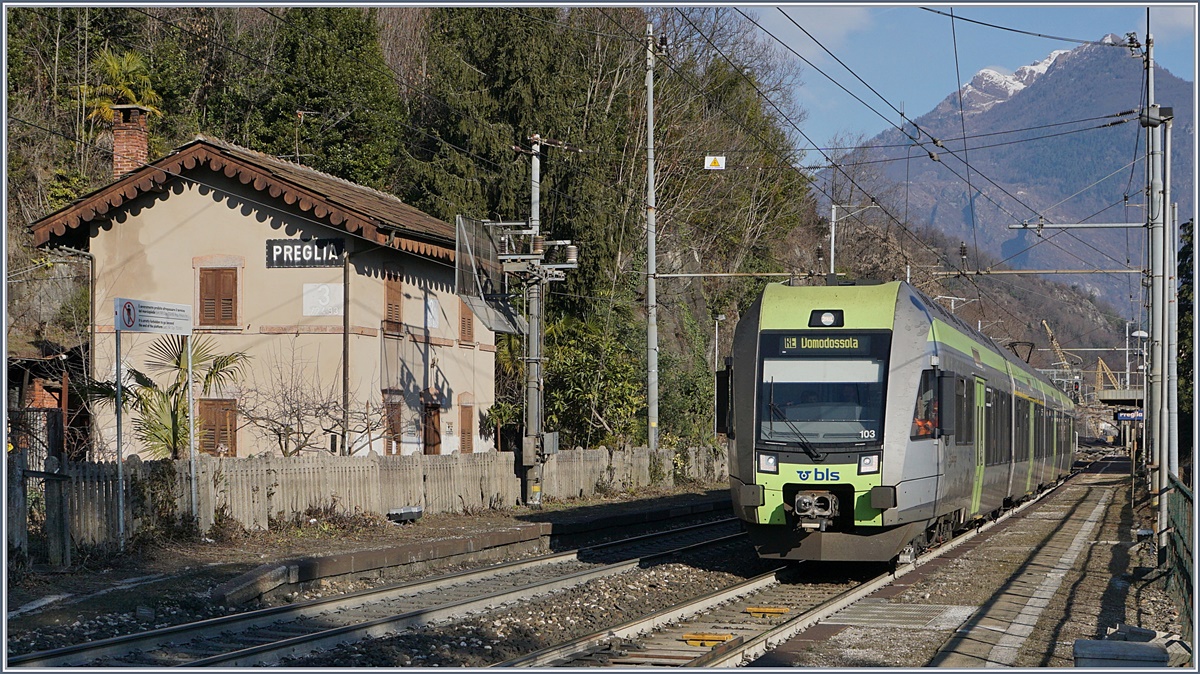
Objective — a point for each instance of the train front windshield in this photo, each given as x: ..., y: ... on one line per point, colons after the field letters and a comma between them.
x: 822, y: 388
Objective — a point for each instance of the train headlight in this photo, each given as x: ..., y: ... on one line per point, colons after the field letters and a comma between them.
x: 768, y: 463
x: 868, y: 463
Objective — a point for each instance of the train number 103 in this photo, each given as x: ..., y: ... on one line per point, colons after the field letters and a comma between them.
x: 867, y: 434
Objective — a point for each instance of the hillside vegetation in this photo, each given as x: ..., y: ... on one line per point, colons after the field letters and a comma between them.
x: 428, y: 104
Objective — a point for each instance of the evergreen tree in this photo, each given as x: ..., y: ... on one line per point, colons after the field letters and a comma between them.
x: 332, y: 102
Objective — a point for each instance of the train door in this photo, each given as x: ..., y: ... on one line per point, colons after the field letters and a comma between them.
x: 1055, y: 420
x: 1056, y: 439
x: 980, y: 442
x: 1030, y: 416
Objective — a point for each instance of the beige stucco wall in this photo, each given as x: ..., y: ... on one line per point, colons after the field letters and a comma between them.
x: 153, y: 249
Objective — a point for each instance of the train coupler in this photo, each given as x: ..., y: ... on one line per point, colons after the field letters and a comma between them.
x: 815, y: 509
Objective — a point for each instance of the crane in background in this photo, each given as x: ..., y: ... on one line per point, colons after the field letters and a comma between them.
x: 1064, y: 362
x: 1058, y: 351
x: 1102, y: 368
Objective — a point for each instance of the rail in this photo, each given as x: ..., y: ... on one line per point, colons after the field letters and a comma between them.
x: 1179, y: 553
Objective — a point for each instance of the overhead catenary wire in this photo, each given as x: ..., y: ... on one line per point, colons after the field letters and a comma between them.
x: 1023, y: 32
x: 791, y: 122
x: 936, y: 142
x: 962, y: 119
x: 892, y: 217
x: 679, y: 148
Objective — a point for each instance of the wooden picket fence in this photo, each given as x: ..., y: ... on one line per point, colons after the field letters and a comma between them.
x: 252, y: 491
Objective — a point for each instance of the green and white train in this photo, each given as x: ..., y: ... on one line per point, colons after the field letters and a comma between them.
x: 867, y: 423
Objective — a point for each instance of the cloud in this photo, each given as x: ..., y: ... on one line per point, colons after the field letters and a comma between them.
x: 1171, y: 23
x: 831, y: 25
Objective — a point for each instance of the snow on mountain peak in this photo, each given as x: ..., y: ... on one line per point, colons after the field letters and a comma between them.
x: 1027, y: 74
x: 991, y: 86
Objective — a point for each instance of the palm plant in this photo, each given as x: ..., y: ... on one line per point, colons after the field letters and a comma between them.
x: 162, y: 413
x: 124, y: 80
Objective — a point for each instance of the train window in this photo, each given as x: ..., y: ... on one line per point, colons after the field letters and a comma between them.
x: 823, y: 389
x: 1021, y: 436
x: 964, y: 400
x: 925, y: 414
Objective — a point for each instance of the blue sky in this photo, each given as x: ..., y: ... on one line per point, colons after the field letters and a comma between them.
x: 907, y: 54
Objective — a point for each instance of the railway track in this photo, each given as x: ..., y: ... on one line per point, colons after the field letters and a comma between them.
x: 731, y: 626
x: 268, y: 635
x: 725, y: 627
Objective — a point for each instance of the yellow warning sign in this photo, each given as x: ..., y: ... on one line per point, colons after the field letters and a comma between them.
x: 714, y: 162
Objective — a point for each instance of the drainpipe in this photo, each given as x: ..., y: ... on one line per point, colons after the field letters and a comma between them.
x: 346, y: 350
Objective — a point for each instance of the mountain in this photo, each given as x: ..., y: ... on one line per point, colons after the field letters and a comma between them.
x: 1045, y: 141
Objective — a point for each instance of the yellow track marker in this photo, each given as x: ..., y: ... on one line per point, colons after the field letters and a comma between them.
x: 706, y: 640
x: 764, y: 611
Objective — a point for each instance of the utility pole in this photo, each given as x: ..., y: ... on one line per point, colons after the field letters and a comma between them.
x: 651, y: 262
x: 1171, y: 299
x: 528, y: 262
x: 1156, y: 412
x: 532, y: 443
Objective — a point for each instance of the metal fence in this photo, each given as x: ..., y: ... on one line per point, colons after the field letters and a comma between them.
x: 37, y: 432
x: 34, y: 434
x: 1179, y: 553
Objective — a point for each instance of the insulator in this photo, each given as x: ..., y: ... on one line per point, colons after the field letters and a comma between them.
x: 538, y: 246
x: 572, y: 254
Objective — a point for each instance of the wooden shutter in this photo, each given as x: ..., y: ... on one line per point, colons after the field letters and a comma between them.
x: 218, y: 427
x: 466, y: 323
x: 218, y: 296
x: 466, y: 429
x: 393, y: 300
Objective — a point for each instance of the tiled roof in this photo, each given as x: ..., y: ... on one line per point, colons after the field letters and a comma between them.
x: 362, y: 211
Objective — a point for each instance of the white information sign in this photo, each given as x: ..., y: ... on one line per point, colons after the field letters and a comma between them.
x: 322, y: 299
x: 161, y: 318
x: 714, y: 163
x: 158, y: 317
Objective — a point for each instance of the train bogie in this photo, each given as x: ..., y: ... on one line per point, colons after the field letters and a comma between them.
x: 866, y: 421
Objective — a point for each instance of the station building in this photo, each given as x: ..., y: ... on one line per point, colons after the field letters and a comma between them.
x: 276, y: 260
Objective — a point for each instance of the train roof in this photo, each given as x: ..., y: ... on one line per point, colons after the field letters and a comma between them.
x: 874, y: 307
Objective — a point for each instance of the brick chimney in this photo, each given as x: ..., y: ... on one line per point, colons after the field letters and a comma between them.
x: 131, y: 139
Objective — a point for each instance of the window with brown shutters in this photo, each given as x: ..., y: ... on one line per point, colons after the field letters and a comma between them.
x: 466, y: 429
x: 393, y: 301
x: 218, y: 296
x: 466, y: 323
x: 218, y: 427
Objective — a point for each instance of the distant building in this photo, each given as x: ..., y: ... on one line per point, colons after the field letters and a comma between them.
x: 254, y: 244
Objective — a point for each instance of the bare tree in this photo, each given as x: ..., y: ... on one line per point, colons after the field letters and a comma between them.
x: 289, y: 403
x: 293, y: 407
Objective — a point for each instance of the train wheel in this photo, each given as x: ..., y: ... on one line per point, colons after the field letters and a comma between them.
x: 945, y: 530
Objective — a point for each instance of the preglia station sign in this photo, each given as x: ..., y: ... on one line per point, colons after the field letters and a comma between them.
x: 289, y: 253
